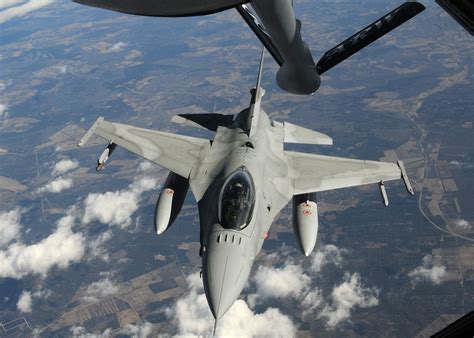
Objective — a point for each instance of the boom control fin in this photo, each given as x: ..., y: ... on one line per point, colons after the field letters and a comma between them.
x: 369, y: 34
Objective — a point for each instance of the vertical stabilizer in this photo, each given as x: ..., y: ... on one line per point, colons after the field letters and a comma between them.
x: 257, y: 94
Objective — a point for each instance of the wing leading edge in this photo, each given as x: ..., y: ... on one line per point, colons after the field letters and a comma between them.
x: 176, y: 153
x: 314, y: 173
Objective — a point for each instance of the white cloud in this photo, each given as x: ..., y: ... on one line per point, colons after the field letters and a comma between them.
x: 81, y: 332
x: 60, y: 249
x: 146, y: 166
x: 138, y: 331
x: 9, y: 3
x: 351, y: 293
x: 58, y: 185
x: 3, y: 111
x: 119, y: 46
x: 116, y: 208
x: 462, y: 224
x: 288, y: 281
x: 311, y: 301
x: 64, y: 166
x: 428, y: 271
x: 22, y: 9
x: 96, y: 245
x: 327, y: 254
x: 192, y: 317
x: 100, y: 289
x: 9, y: 226
x: 24, y: 303
x: 293, y: 281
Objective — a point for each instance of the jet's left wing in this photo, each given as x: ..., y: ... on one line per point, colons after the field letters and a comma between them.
x: 176, y: 153
x: 314, y: 173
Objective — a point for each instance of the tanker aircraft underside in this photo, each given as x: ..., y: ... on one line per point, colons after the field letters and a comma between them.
x: 241, y: 180
x: 276, y: 26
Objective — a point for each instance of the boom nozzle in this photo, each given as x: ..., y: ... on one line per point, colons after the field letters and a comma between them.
x: 215, y: 327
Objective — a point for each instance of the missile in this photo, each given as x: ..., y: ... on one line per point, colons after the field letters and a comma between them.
x: 405, y: 178
x: 305, y: 221
x: 105, y: 156
x: 383, y: 192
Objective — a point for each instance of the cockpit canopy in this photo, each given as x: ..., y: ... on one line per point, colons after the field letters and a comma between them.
x: 236, y: 200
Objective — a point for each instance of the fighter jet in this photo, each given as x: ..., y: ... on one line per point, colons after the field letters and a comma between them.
x: 275, y: 25
x: 241, y: 180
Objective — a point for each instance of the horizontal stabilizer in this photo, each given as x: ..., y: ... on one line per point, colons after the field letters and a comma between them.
x: 368, y: 35
x: 206, y: 121
x: 164, y: 7
x: 297, y: 134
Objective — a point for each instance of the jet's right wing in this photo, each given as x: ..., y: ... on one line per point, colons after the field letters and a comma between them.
x: 314, y: 173
x: 176, y: 153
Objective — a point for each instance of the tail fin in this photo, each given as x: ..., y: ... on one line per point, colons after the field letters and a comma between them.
x: 259, y: 92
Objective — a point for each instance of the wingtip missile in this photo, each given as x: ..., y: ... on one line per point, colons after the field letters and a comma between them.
x: 105, y: 156
x: 383, y: 192
x: 405, y: 178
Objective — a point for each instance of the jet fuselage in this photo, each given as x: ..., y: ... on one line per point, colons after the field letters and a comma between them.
x: 229, y: 251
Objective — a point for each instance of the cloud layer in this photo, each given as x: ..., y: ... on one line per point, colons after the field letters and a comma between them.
x: 346, y: 296
x: 193, y: 318
x: 287, y: 281
x: 20, y: 8
x: 291, y: 281
x: 116, y: 208
x: 428, y: 271
x: 9, y: 226
x: 100, y: 289
x: 64, y: 166
x: 60, y: 249
x: 327, y: 254
x: 24, y: 302
x: 58, y: 185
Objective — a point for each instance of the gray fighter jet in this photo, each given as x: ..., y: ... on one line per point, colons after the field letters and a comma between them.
x: 275, y: 25
x: 241, y: 180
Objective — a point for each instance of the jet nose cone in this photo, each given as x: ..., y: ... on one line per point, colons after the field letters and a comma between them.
x: 226, y: 271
